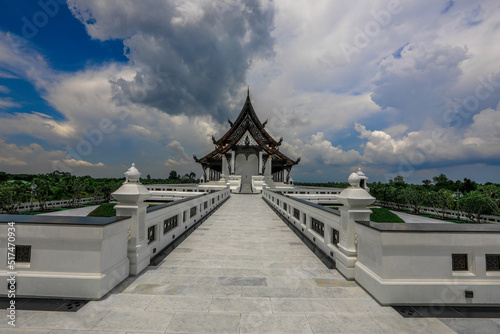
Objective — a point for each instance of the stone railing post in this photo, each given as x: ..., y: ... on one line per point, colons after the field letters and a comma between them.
x: 355, y: 200
x: 131, y: 196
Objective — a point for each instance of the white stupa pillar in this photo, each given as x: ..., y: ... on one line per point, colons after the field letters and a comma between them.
x: 131, y: 196
x: 355, y: 200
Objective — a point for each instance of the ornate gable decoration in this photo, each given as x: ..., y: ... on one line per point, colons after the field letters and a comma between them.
x: 247, y: 140
x: 247, y: 130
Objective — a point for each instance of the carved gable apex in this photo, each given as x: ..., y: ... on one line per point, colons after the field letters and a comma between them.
x: 247, y: 140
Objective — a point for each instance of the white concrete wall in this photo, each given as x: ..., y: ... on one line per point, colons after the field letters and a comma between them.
x: 72, y: 261
x: 234, y: 183
x: 56, y: 204
x: 156, y: 216
x: 258, y: 183
x: 411, y: 267
x: 307, y: 211
x: 313, y: 190
x: 415, y: 267
x: 189, y: 187
x: 87, y: 261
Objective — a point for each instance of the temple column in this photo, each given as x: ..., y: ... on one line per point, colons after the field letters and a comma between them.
x: 260, y: 162
x: 233, y: 157
x: 204, y: 173
x: 225, y: 168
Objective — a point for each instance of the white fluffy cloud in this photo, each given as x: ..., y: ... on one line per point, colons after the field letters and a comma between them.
x: 386, y: 101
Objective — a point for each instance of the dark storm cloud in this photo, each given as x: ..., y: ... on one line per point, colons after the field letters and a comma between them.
x: 191, y: 57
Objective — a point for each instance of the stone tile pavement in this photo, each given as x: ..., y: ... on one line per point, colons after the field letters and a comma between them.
x: 241, y: 271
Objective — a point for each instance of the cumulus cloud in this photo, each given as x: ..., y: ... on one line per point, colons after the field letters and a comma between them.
x: 317, y: 149
x: 189, y: 63
x: 10, y: 161
x: 32, y: 158
x: 177, y: 149
x: 189, y: 58
x: 180, y: 158
x: 418, y: 80
x: 436, y: 146
x: 81, y: 163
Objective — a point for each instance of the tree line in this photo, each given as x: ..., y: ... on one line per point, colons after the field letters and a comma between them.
x: 475, y: 200
x: 16, y: 188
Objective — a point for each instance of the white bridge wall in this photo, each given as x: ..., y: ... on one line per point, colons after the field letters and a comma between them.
x: 71, y: 261
x: 87, y: 261
x: 331, y: 218
x: 412, y: 267
x: 415, y: 267
x: 156, y: 216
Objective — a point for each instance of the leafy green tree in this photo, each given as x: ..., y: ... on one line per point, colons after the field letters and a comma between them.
x: 398, y: 181
x: 445, y: 200
x: 475, y: 205
x: 395, y: 195
x: 468, y: 185
x: 4, y: 176
x: 492, y: 196
x: 442, y: 181
x: 173, y: 175
x: 426, y: 182
x: 43, y: 191
x: 74, y: 190
x: 414, y: 197
x: 11, y: 195
x: 59, y: 187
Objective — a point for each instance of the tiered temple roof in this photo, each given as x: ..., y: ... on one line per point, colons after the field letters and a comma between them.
x: 247, y: 130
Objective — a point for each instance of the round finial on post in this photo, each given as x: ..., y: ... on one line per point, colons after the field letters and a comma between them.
x: 354, y: 180
x: 132, y: 174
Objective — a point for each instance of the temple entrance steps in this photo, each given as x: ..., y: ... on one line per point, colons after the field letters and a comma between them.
x: 246, y: 188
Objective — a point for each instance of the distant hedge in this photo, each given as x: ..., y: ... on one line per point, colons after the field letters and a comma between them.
x: 104, y: 210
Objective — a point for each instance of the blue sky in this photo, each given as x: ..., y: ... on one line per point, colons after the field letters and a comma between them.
x: 396, y: 87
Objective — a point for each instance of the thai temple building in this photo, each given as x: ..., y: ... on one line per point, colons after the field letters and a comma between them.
x: 247, y: 157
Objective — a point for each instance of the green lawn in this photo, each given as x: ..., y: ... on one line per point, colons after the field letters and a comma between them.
x: 379, y: 215
x: 104, y: 210
x: 107, y: 210
x: 383, y: 215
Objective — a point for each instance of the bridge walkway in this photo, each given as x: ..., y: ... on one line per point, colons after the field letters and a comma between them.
x: 242, y: 271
